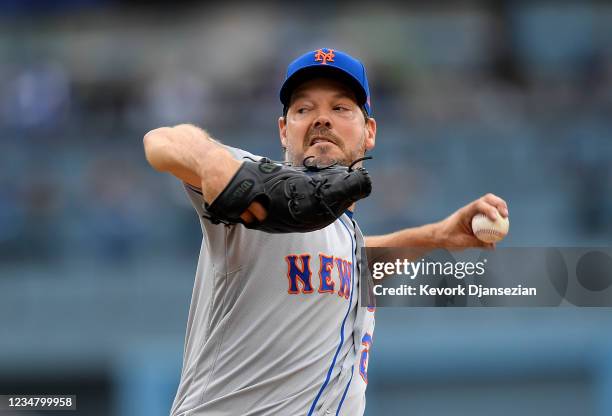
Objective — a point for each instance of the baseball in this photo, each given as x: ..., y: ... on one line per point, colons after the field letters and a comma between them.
x: 490, y: 231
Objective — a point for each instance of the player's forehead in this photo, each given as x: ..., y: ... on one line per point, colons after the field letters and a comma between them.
x: 322, y: 88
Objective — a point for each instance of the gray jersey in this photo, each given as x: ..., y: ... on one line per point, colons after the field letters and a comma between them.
x: 275, y: 326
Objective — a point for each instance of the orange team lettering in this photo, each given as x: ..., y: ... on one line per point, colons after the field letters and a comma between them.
x: 323, y: 57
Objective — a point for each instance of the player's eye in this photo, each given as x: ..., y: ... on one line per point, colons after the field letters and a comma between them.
x: 301, y: 110
x: 340, y: 108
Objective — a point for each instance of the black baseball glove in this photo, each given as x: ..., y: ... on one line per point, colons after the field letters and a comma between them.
x: 297, y: 199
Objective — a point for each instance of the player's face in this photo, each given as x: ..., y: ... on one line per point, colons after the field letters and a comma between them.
x: 324, y: 121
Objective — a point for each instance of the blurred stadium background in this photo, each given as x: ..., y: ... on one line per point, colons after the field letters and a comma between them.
x: 98, y: 252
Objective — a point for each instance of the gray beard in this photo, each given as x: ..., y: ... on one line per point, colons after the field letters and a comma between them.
x: 322, y: 159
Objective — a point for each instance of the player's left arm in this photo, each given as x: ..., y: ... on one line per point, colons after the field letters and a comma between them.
x: 453, y: 232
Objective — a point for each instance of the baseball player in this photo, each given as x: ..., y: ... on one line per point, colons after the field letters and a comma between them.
x: 275, y: 325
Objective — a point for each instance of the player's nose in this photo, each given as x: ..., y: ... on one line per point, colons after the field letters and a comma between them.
x: 322, y: 120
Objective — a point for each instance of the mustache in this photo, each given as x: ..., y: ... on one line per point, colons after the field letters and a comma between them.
x: 322, y: 132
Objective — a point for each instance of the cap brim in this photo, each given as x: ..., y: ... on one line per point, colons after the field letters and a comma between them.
x: 323, y: 71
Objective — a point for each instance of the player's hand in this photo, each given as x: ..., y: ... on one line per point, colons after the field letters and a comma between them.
x: 255, y: 212
x: 455, y: 231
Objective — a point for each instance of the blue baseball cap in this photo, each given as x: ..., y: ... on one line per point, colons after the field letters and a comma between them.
x: 328, y: 63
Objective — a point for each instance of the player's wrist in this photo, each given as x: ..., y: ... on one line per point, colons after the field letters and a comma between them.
x: 437, y: 234
x: 217, y: 173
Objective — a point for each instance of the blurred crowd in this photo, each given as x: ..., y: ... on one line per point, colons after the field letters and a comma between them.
x: 513, y: 98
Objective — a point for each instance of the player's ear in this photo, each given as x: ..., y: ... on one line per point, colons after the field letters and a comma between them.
x: 370, y: 138
x: 282, y: 131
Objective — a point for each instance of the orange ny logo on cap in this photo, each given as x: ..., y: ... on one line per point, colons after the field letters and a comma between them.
x: 323, y: 57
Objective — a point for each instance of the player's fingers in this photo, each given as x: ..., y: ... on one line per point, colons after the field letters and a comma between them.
x: 258, y: 211
x: 247, y: 217
x: 497, y: 202
x: 481, y: 206
x: 475, y: 242
x: 470, y: 241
